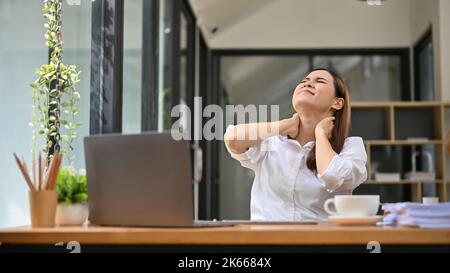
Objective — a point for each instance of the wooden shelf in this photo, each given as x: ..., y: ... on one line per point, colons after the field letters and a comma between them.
x: 417, y: 104
x: 403, y: 142
x: 406, y: 104
x: 390, y: 124
x: 367, y: 105
x: 403, y: 181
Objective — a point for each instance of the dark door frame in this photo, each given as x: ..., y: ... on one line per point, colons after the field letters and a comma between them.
x: 106, y: 67
x: 150, y: 57
x: 423, y: 41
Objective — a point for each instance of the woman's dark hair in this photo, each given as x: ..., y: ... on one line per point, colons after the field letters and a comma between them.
x: 341, y: 122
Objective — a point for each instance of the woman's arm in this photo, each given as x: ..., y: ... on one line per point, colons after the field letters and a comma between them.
x: 347, y: 170
x: 324, y: 151
x: 239, y: 138
x: 343, y: 171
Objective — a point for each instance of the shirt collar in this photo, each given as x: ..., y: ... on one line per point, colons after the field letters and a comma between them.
x: 307, y: 145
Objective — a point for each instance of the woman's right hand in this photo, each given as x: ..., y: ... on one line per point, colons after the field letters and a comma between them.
x: 292, y: 126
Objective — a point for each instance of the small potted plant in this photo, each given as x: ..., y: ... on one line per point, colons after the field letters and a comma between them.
x: 72, y: 206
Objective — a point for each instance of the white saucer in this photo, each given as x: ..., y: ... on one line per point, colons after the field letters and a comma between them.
x: 355, y: 220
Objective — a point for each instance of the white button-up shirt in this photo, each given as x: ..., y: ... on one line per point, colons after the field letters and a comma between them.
x: 284, y: 189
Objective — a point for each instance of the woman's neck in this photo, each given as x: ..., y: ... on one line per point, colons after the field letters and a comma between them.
x: 307, y: 128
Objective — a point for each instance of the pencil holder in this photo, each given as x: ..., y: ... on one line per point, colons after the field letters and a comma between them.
x: 43, y: 207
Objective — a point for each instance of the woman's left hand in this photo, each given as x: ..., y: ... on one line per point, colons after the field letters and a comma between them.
x: 325, y: 127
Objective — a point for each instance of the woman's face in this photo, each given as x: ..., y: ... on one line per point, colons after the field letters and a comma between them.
x: 315, y: 91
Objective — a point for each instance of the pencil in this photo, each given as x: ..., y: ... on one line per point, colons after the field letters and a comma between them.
x: 54, y: 170
x: 34, y: 169
x: 24, y: 171
x: 40, y: 169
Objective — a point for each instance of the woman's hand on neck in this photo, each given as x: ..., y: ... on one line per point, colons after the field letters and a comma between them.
x: 307, y: 125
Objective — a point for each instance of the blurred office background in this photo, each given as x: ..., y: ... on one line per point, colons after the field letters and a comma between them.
x: 227, y: 52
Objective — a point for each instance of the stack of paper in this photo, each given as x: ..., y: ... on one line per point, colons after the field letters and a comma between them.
x: 416, y: 214
x: 387, y: 176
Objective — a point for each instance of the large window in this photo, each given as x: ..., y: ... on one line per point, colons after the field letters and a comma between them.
x: 167, y: 84
x: 132, y: 66
x: 22, y: 50
x: 169, y: 42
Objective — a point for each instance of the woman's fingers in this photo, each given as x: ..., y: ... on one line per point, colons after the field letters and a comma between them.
x: 294, y: 122
x: 331, y: 126
x: 326, y: 126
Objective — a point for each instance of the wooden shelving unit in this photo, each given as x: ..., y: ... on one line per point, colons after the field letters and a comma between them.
x: 404, y: 181
x: 396, y: 127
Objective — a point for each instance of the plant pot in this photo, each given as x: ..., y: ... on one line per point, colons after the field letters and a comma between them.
x: 42, y: 207
x: 72, y: 214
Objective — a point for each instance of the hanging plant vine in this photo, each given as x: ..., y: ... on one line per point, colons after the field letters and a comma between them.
x: 54, y: 94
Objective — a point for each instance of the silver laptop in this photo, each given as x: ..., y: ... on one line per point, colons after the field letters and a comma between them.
x: 140, y: 180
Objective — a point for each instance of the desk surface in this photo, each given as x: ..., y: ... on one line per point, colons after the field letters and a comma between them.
x: 322, y: 234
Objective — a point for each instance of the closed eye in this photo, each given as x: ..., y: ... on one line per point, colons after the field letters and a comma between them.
x: 321, y: 80
x: 318, y: 80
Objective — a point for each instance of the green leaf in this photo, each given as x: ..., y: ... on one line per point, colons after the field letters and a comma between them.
x: 65, y: 138
x: 70, y: 186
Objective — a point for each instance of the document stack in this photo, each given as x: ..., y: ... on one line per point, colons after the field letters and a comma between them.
x: 416, y: 214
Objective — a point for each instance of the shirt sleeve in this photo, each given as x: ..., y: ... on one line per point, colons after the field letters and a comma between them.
x: 346, y: 170
x: 253, y: 157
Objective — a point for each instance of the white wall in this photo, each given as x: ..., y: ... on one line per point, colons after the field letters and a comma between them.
x: 318, y: 24
x: 424, y: 14
x: 330, y: 24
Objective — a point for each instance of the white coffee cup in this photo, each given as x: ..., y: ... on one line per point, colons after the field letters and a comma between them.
x: 353, y: 205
